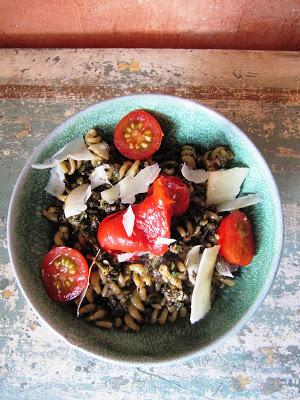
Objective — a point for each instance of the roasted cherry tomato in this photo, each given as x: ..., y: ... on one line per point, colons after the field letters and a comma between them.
x: 152, y: 221
x: 138, y: 135
x: 64, y: 273
x: 236, y: 238
x: 178, y: 192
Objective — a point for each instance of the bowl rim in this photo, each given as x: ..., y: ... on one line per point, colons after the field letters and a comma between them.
x: 189, y: 355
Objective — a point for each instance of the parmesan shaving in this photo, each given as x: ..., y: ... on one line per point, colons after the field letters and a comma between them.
x: 194, y: 175
x: 240, y: 202
x: 225, y: 185
x: 138, y: 184
x: 201, y: 303
x: 99, y: 177
x: 163, y: 240
x: 145, y: 177
x: 127, y: 192
x: 56, y: 185
x: 129, y: 256
x: 224, y: 270
x: 101, y: 149
x: 130, y: 186
x: 76, y: 149
x: 128, y: 221
x: 76, y: 200
x: 112, y: 194
x: 192, y: 262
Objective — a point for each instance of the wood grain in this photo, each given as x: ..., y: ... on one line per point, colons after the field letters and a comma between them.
x: 41, y: 88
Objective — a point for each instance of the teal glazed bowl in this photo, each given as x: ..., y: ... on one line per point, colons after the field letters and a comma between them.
x: 29, y: 236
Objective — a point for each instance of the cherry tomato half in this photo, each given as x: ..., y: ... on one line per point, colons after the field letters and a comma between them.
x: 138, y: 135
x: 178, y: 192
x: 64, y: 273
x: 236, y: 238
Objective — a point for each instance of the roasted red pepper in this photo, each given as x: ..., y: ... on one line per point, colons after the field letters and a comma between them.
x: 178, y: 192
x: 152, y: 221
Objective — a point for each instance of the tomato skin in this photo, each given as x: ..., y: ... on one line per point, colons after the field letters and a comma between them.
x: 137, y: 135
x: 178, y: 192
x: 55, y: 277
x: 236, y: 238
x: 152, y: 221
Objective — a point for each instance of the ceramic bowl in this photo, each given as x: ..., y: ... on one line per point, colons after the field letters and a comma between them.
x: 30, y: 235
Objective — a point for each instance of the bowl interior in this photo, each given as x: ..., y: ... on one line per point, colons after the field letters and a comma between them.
x: 184, y: 122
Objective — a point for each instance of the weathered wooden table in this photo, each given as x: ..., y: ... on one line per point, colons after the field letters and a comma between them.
x: 259, y: 91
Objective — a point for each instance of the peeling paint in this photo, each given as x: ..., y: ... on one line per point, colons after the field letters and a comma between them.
x: 241, y: 382
x: 133, y: 66
x: 7, y: 293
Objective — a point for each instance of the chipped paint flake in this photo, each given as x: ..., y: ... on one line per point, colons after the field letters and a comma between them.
x: 243, y: 381
x: 7, y: 293
x: 268, y: 351
x: 133, y: 66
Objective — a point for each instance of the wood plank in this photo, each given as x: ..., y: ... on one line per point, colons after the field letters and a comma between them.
x: 262, y: 360
x: 269, y: 76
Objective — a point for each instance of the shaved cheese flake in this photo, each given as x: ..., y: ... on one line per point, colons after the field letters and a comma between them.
x: 129, y: 256
x: 192, y: 262
x: 125, y: 257
x: 99, y: 177
x: 130, y: 186
x: 56, y: 184
x: 240, y: 202
x: 128, y: 221
x: 127, y: 190
x: 200, y: 303
x: 225, y: 185
x: 225, y: 271
x: 223, y: 268
x: 194, y: 175
x: 145, y: 177
x: 49, y: 163
x: 76, y: 149
x: 112, y: 194
x: 163, y: 240
x: 101, y: 149
x: 76, y: 200
x: 138, y: 184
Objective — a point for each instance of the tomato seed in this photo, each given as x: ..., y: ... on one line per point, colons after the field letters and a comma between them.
x: 148, y: 138
x: 144, y: 145
x: 57, y: 284
x: 148, y: 132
